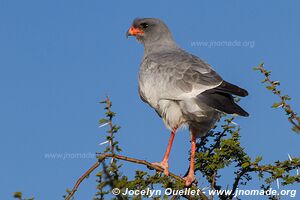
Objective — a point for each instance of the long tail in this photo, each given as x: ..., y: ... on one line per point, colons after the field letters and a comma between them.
x: 221, y: 98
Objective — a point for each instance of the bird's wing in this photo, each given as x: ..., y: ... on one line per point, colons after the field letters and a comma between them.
x: 221, y: 101
x: 178, y: 75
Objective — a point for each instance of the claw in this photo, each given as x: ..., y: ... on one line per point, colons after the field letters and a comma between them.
x: 189, y: 179
x: 163, y: 165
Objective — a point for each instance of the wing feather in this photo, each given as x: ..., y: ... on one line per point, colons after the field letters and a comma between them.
x: 176, y: 75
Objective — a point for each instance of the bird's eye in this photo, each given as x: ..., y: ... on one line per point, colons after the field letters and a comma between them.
x: 144, y: 25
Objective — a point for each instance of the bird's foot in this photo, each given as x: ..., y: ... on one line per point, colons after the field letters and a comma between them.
x: 189, y: 179
x: 163, y: 165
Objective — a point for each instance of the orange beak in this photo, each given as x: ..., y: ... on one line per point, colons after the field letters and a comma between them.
x: 134, y: 31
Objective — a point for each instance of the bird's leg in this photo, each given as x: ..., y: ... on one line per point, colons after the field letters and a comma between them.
x: 190, y: 178
x: 164, y: 163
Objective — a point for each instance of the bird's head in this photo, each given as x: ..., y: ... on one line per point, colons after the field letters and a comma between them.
x: 149, y: 31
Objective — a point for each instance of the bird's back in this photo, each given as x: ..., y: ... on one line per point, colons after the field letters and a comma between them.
x: 174, y: 74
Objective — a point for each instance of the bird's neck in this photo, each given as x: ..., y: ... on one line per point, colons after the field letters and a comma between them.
x: 158, y: 46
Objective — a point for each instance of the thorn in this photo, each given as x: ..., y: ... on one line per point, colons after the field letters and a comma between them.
x: 232, y: 122
x: 297, y: 170
x: 290, y: 157
x: 102, y: 143
x: 103, y: 124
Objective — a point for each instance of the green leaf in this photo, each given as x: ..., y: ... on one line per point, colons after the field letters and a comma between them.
x: 277, y: 105
x: 267, y: 73
x: 296, y: 129
x: 18, y: 195
x: 265, y: 80
x: 286, y: 97
x: 245, y: 165
x: 258, y: 159
x: 270, y: 87
x: 102, y: 121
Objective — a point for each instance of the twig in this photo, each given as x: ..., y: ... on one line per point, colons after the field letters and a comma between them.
x: 85, y: 175
x: 111, y: 141
x: 293, y: 118
x: 237, y: 180
x: 213, y: 183
x: 218, y: 140
x: 128, y: 159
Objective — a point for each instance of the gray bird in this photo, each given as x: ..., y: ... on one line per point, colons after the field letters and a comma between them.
x: 182, y: 88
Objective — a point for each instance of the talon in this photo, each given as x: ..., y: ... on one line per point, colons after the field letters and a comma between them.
x: 189, y: 179
x: 164, y: 166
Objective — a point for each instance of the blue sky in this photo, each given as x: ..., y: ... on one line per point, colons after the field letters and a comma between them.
x: 60, y: 58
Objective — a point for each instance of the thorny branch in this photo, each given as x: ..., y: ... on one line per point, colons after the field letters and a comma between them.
x: 102, y: 157
x: 236, y: 182
x: 272, y: 85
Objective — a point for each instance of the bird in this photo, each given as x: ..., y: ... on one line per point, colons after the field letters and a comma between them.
x: 183, y: 89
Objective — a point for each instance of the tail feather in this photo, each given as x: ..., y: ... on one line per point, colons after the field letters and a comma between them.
x: 231, y: 89
x: 221, y: 101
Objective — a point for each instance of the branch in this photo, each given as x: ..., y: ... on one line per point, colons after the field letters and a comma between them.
x: 236, y: 181
x: 110, y: 115
x: 213, y: 183
x: 272, y: 85
x: 128, y: 159
x: 85, y: 175
x: 270, y: 169
x: 218, y: 140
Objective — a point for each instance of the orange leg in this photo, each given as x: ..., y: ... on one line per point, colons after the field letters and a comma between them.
x: 164, y: 163
x: 189, y: 179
